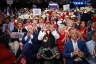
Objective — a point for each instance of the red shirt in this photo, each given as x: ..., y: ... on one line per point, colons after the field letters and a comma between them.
x: 60, y: 43
x: 83, y: 33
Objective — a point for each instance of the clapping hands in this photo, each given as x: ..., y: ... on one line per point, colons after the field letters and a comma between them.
x: 78, y: 52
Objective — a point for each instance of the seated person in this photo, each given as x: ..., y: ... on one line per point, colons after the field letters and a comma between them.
x: 75, y: 50
x: 91, y: 45
x: 30, y: 46
x: 48, y: 36
x: 5, y: 36
x: 18, y: 29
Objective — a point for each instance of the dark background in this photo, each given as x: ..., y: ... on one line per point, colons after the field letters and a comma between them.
x: 41, y: 3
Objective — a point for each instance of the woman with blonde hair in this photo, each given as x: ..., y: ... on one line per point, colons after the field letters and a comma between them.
x: 62, y: 39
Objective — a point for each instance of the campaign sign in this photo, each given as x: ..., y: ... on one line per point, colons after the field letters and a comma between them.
x: 66, y: 7
x: 9, y: 1
x: 53, y: 5
x: 17, y: 35
x: 36, y: 11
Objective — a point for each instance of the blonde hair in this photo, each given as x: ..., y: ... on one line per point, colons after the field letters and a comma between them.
x: 62, y: 26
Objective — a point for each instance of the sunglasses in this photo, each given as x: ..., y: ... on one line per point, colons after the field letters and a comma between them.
x: 36, y: 19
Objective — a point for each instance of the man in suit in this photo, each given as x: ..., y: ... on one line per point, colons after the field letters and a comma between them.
x: 30, y: 47
x: 92, y: 26
x: 91, y: 45
x: 88, y: 36
x: 75, y: 50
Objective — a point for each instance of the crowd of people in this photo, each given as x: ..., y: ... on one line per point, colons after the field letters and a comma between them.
x: 55, y: 35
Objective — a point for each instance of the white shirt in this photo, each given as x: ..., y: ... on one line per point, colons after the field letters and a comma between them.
x: 74, y: 44
x: 90, y: 45
x: 19, y: 30
x: 42, y: 34
x: 26, y: 37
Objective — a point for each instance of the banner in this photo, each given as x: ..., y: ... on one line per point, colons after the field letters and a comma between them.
x: 17, y: 35
x: 53, y: 5
x: 9, y: 1
x: 36, y: 11
x: 66, y: 7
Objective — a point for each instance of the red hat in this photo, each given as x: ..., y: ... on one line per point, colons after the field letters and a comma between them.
x: 47, y: 22
x: 52, y: 18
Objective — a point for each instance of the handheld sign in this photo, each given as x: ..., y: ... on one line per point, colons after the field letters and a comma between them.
x: 9, y: 1
x: 36, y: 11
x: 17, y: 35
x: 53, y: 5
x: 66, y: 7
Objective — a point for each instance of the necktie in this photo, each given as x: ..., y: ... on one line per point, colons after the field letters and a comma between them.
x: 28, y: 39
x: 26, y: 47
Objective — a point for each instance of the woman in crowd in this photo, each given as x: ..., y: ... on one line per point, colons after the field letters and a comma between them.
x: 18, y: 29
x: 41, y: 22
x: 48, y: 50
x: 61, y: 40
x: 28, y: 22
x: 82, y: 30
x: 53, y: 22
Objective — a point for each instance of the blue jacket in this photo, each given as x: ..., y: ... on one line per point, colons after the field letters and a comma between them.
x: 33, y: 48
x: 68, y: 49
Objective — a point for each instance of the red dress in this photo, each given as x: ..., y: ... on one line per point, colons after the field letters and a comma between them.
x: 60, y: 43
x: 83, y: 33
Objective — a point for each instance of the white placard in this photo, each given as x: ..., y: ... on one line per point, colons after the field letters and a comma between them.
x: 37, y: 11
x: 9, y: 1
x: 66, y: 7
x: 17, y: 35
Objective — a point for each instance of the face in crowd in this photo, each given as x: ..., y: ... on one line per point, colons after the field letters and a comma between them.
x: 19, y: 25
x: 93, y: 24
x: 73, y: 33
x: 61, y: 28
x: 82, y: 24
x: 30, y: 29
x: 94, y: 35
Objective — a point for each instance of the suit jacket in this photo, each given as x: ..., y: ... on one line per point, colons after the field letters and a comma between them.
x: 89, y: 29
x: 88, y: 36
x: 68, y: 49
x: 34, y: 47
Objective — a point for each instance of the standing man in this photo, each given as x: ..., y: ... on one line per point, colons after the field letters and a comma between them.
x: 75, y: 50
